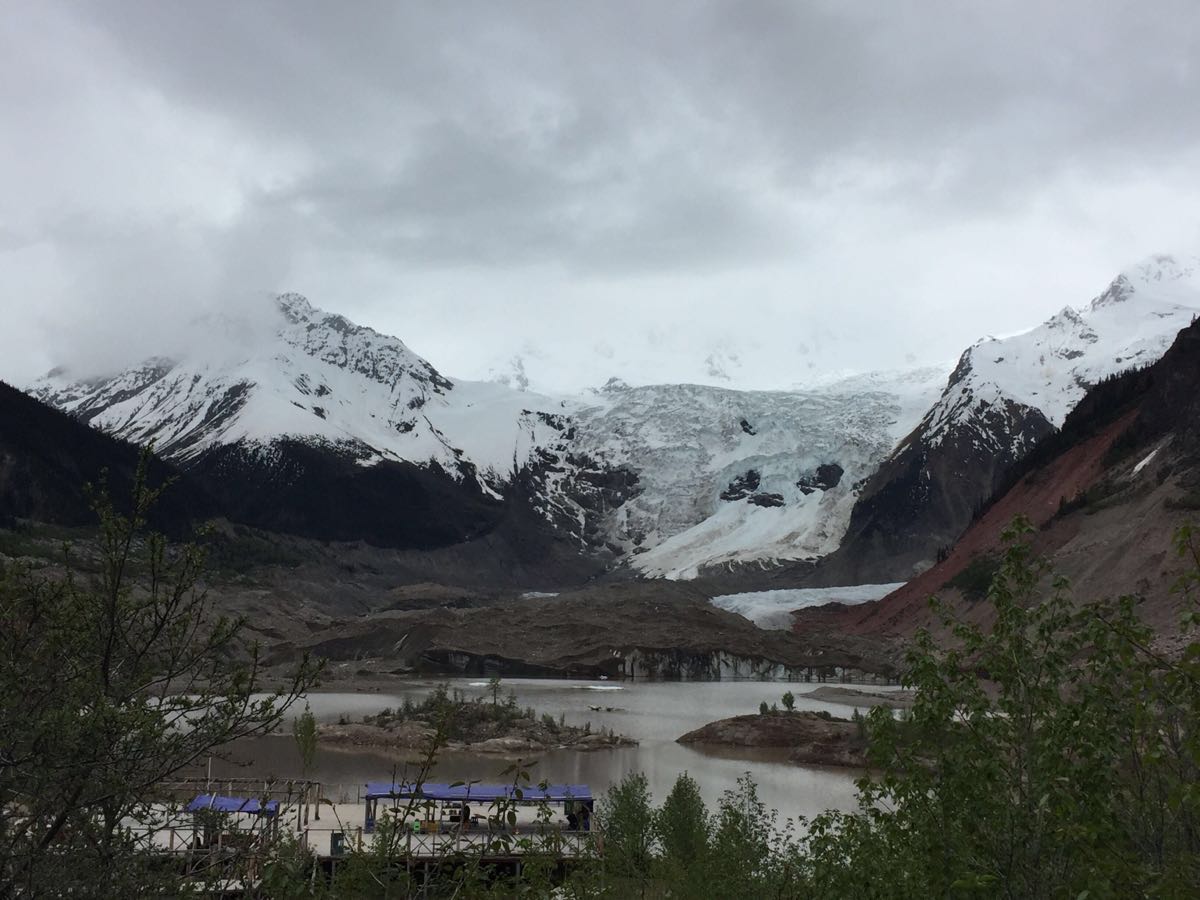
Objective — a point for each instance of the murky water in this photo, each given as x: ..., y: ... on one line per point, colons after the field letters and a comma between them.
x: 654, y: 713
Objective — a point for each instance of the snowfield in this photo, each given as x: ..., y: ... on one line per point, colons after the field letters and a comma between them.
x: 773, y: 609
x: 319, y: 379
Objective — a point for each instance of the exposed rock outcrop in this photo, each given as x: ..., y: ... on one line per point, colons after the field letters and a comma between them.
x: 813, y: 738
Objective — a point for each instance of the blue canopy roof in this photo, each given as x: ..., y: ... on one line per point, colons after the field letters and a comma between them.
x: 478, y: 792
x: 232, y: 805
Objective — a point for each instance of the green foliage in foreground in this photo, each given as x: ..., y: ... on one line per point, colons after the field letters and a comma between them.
x: 113, y: 679
x: 1071, y: 773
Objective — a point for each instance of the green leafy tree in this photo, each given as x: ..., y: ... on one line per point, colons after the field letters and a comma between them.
x: 116, y: 673
x: 1052, y: 754
x: 789, y: 701
x: 682, y: 827
x: 304, y: 733
x: 628, y: 822
x: 741, y: 858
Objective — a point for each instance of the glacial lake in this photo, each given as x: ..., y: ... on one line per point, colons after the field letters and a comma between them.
x: 654, y: 713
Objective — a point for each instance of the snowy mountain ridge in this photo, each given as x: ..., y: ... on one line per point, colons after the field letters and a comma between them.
x: 673, y: 477
x: 1004, y: 395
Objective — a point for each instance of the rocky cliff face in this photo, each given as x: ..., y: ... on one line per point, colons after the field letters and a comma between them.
x: 925, y: 493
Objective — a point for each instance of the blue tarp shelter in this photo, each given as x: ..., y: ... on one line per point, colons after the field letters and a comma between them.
x: 552, y: 793
x: 232, y: 805
x: 439, y: 792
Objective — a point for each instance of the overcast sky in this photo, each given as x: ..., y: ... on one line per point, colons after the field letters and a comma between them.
x: 604, y: 188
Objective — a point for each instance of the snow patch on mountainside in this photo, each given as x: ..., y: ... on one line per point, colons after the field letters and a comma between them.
x: 773, y: 609
x: 676, y: 477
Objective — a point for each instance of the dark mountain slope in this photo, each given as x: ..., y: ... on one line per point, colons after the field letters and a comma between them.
x: 924, y: 495
x: 324, y: 493
x: 47, y: 457
x: 433, y: 525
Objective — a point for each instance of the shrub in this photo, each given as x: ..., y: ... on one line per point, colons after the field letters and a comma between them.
x: 111, y: 684
x: 976, y: 577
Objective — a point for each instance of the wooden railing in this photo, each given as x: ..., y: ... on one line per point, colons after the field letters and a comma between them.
x: 551, y: 842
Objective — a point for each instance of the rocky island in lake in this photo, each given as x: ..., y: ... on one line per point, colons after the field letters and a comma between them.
x: 482, y: 725
x: 815, y: 738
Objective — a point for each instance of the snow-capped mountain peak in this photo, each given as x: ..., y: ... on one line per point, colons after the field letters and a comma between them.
x: 1004, y: 395
x: 295, y: 307
x: 1163, y: 277
x: 336, y: 340
x: 316, y: 377
x: 1050, y: 367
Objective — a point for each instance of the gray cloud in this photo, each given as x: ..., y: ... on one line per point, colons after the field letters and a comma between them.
x: 472, y: 199
x: 877, y: 180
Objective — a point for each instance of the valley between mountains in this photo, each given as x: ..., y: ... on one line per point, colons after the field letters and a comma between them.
x: 371, y: 510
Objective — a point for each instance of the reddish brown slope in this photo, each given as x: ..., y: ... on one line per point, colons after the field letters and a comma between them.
x: 1038, y: 496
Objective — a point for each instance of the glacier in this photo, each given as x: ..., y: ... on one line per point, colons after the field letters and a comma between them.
x: 773, y: 609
